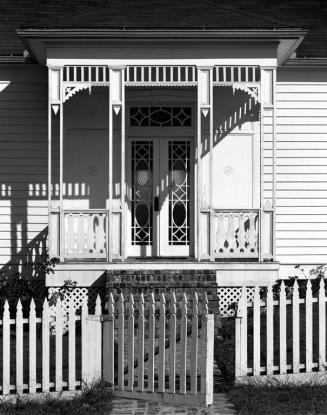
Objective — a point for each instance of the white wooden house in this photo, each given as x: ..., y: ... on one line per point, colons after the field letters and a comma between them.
x: 138, y: 136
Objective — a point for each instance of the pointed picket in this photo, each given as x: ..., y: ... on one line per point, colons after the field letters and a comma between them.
x: 195, y: 344
x: 162, y: 344
x: 322, y: 325
x: 121, y: 335
x: 111, y: 340
x: 19, y: 348
x: 32, y: 348
x: 140, y: 376
x: 45, y: 347
x: 98, y: 308
x: 58, y: 365
x: 85, y: 341
x: 71, y: 345
x: 172, y: 344
x: 296, y: 327
x: 130, y: 381
x: 308, y: 328
x: 6, y: 350
x: 151, y: 342
x: 182, y: 387
x: 270, y: 330
x: 256, y: 332
x: 282, y: 329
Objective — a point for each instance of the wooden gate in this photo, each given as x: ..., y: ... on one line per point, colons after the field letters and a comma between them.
x: 159, y: 348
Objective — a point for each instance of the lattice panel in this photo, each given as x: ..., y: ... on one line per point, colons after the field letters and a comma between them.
x: 229, y: 296
x: 78, y: 294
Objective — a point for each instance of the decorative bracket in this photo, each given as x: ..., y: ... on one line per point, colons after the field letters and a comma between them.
x: 253, y: 91
x: 71, y: 90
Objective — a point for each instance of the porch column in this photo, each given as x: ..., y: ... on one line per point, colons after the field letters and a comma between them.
x: 268, y: 153
x: 55, y: 215
x: 205, y: 217
x: 116, y: 208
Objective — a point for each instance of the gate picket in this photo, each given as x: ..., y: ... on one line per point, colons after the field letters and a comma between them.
x: 172, y: 344
x: 140, y: 378
x: 151, y: 342
x: 162, y: 343
x: 182, y: 387
x: 131, y: 343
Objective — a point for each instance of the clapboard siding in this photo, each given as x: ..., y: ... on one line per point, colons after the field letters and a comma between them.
x: 268, y: 155
x: 23, y: 162
x: 301, y: 172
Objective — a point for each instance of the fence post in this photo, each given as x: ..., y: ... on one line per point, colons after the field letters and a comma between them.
x: 208, y: 351
x: 241, y: 335
x: 91, y: 343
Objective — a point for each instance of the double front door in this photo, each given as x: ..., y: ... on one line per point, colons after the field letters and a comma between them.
x: 159, y: 195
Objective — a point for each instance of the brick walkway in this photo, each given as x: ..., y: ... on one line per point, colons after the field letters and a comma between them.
x: 221, y: 406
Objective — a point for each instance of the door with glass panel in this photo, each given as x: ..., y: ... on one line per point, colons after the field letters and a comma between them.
x: 159, y: 194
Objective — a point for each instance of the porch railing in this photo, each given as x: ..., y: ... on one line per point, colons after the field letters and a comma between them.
x: 83, y: 234
x: 236, y: 233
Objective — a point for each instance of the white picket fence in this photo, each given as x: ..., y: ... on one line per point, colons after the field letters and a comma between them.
x: 164, y: 348
x: 33, y: 355
x: 283, y: 338
x: 157, y: 348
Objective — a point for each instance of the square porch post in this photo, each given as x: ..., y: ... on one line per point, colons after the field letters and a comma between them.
x: 55, y: 106
x: 204, y: 191
x: 116, y: 106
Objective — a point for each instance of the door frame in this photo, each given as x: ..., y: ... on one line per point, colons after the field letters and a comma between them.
x: 157, y: 134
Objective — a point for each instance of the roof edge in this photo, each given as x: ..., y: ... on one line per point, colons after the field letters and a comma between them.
x: 312, y: 62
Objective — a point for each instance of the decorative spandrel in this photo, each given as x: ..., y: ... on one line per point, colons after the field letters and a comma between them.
x: 142, y: 193
x: 179, y: 193
x: 160, y: 116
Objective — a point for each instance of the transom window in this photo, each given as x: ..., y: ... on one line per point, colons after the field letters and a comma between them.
x: 160, y: 117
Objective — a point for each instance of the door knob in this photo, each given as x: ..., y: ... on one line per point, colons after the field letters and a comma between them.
x: 156, y: 204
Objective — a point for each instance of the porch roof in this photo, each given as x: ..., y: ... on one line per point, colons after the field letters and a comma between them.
x: 165, y: 14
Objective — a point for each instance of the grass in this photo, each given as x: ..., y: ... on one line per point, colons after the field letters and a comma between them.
x: 279, y: 400
x: 95, y: 399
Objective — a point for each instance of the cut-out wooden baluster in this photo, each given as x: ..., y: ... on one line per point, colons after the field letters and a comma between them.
x: 322, y: 325
x: 296, y: 328
x: 6, y: 350
x: 183, y: 344
x: 195, y: 346
x: 111, y: 340
x: 241, y: 234
x: 162, y: 343
x: 172, y: 343
x: 270, y: 330
x: 45, y: 347
x: 151, y: 342
x: 231, y: 233
x: 58, y: 381
x: 71, y: 345
x: 256, y: 332
x: 220, y: 234
x: 19, y: 348
x: 140, y: 377
x: 121, y: 328
x: 131, y: 343
x: 252, y: 238
x: 308, y: 328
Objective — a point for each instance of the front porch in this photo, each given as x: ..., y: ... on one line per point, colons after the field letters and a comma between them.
x: 159, y: 162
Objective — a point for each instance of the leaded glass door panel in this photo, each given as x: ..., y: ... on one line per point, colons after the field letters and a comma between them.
x: 159, y: 214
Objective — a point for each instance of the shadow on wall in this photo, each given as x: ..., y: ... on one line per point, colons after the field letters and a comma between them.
x: 23, y: 170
